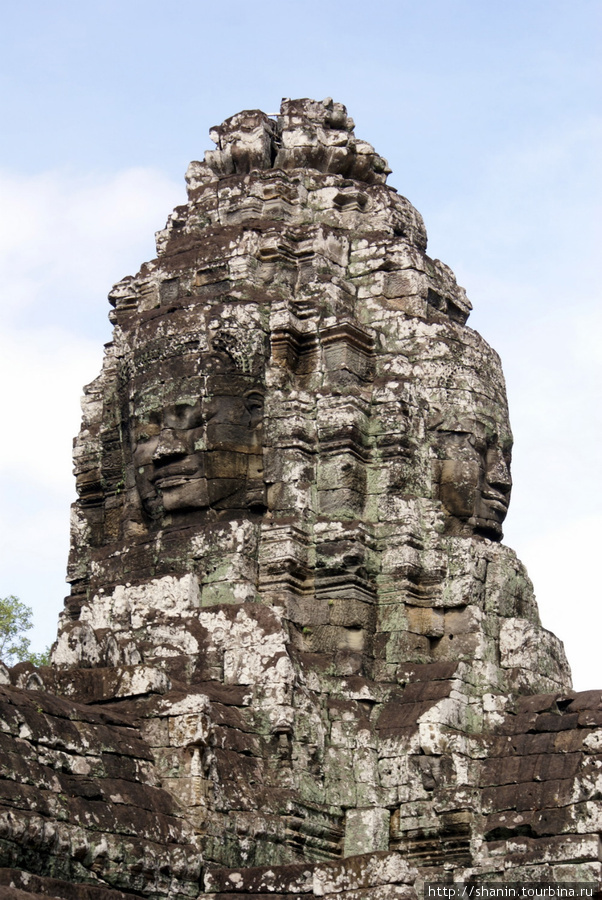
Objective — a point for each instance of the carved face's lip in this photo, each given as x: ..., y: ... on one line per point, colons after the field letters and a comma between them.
x: 170, y: 481
x: 172, y: 476
x: 496, y: 501
x: 496, y: 497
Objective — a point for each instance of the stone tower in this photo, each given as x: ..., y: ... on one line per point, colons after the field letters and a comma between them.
x: 286, y: 562
x: 293, y: 413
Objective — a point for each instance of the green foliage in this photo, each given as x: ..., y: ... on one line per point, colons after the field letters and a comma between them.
x: 38, y: 659
x: 15, y: 619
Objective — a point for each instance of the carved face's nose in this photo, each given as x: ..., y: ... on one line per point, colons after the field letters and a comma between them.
x: 498, y: 471
x: 169, y: 445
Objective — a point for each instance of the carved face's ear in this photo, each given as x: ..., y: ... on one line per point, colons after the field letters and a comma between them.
x: 254, y: 402
x: 458, y: 486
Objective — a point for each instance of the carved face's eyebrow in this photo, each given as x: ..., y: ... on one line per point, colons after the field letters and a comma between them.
x: 454, y: 431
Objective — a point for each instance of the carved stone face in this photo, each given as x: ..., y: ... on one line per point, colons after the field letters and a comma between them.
x: 203, y: 454
x: 168, y: 458
x: 472, y: 475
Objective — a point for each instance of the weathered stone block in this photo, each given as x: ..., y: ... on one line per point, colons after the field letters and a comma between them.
x: 308, y: 610
x: 429, y: 622
x: 350, y: 613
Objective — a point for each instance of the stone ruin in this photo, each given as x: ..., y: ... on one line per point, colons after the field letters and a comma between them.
x: 296, y: 660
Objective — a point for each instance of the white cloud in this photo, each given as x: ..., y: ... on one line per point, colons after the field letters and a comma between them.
x: 64, y: 239
x: 35, y: 541
x: 42, y: 372
x: 555, y: 520
x: 563, y: 566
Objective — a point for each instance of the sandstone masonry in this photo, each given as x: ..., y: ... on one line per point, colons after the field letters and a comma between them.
x: 296, y: 658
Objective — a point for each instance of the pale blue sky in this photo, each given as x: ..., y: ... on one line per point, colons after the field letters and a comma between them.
x: 489, y: 115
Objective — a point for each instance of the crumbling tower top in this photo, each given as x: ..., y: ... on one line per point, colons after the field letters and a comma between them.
x: 306, y: 134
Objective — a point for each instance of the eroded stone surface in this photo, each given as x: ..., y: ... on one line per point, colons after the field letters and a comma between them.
x: 286, y: 564
x: 81, y: 802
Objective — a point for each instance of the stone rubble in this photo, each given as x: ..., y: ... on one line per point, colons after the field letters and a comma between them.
x: 296, y: 658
